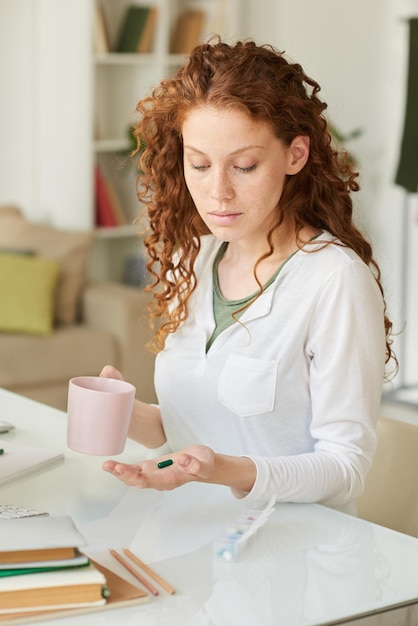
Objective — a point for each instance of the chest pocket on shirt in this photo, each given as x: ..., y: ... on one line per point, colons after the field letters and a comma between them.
x: 248, y: 386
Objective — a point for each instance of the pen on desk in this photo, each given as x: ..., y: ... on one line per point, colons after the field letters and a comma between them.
x: 130, y: 569
x: 150, y: 572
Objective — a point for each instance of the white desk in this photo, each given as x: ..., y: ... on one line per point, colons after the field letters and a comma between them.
x: 308, y: 565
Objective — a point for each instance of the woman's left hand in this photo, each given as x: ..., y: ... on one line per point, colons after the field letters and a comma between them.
x: 195, y: 463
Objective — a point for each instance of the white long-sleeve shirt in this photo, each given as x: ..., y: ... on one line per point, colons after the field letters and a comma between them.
x: 295, y: 386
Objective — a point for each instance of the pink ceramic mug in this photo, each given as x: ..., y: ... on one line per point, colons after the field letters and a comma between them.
x: 99, y: 411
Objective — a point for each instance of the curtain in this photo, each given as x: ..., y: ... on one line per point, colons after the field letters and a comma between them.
x: 407, y: 173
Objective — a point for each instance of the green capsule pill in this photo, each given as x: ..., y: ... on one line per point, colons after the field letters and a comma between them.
x: 166, y: 463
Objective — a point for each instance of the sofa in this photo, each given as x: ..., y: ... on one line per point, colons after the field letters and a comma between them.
x: 55, y: 323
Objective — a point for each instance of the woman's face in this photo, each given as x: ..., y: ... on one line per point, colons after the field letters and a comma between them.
x: 235, y: 169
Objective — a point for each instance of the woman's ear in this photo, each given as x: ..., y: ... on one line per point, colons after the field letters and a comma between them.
x: 298, y: 154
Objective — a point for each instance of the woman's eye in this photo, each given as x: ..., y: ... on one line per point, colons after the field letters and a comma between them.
x: 199, y: 168
x: 246, y: 169
x: 203, y: 168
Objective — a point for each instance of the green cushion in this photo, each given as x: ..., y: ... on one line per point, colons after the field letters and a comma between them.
x: 27, y: 290
x: 70, y: 249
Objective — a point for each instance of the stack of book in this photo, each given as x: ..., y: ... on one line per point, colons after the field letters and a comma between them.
x: 42, y: 569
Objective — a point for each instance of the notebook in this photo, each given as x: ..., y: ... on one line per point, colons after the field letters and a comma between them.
x: 17, y: 461
x: 37, y: 533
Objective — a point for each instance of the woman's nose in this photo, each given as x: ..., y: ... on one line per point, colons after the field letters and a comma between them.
x: 221, y: 188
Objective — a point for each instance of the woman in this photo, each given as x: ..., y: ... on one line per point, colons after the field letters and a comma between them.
x: 273, y: 336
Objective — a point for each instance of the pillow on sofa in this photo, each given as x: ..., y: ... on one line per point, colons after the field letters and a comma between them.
x: 27, y: 287
x: 69, y: 248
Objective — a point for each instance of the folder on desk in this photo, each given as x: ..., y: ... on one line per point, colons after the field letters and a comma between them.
x: 17, y: 461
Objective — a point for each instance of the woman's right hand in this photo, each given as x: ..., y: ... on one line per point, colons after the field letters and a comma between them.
x: 146, y: 425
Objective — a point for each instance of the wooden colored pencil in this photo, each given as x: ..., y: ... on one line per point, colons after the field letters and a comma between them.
x: 134, y: 573
x: 160, y: 581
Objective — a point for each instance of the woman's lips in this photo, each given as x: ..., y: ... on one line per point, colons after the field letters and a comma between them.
x: 224, y: 219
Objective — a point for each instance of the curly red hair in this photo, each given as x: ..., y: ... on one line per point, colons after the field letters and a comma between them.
x: 261, y: 82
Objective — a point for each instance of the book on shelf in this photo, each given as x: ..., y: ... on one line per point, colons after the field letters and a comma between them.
x: 109, y: 212
x: 63, y: 579
x: 101, y: 34
x: 188, y: 31
x: 137, y: 29
x: 118, y: 211
x: 147, y: 37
